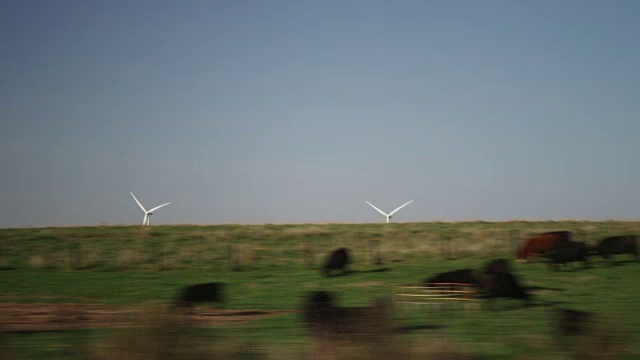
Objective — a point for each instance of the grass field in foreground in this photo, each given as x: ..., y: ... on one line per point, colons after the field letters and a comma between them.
x: 271, y: 266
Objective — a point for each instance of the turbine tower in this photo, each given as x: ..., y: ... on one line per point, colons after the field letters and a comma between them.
x: 388, y: 216
x: 147, y: 214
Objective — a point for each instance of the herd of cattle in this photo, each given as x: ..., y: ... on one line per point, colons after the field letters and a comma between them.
x: 560, y: 248
x: 557, y: 247
x: 495, y: 280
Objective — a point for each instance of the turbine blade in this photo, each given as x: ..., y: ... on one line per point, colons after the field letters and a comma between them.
x: 400, y: 207
x: 138, y: 202
x: 145, y: 218
x: 378, y: 210
x: 158, y: 207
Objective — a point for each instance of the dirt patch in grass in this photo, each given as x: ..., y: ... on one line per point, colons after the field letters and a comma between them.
x: 12, y: 297
x: 18, y: 317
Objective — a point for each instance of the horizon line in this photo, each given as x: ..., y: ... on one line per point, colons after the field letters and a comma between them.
x: 106, y: 224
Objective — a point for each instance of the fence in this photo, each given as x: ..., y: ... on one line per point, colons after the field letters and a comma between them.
x: 437, y: 295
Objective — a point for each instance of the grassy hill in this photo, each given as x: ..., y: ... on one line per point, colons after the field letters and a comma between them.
x: 185, y: 247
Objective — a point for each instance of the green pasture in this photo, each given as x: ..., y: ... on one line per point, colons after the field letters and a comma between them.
x: 270, y: 267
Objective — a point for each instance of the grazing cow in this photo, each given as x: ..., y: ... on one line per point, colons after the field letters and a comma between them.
x: 622, y: 244
x: 504, y: 285
x: 324, y: 318
x: 542, y: 243
x: 337, y: 260
x: 318, y: 308
x: 585, y: 334
x: 462, y: 276
x: 199, y: 293
x: 573, y: 322
x: 572, y: 252
x: 497, y: 266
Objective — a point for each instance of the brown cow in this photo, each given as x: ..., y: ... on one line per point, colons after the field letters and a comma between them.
x: 542, y: 243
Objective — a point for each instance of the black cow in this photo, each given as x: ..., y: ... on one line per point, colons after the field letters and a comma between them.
x: 497, y: 266
x: 318, y: 307
x: 337, y: 261
x: 622, y: 244
x: 571, y: 252
x: 199, y: 293
x: 585, y: 334
x: 323, y: 318
x: 573, y: 322
x: 462, y: 276
x: 504, y: 285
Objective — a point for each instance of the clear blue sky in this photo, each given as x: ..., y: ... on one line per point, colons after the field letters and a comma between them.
x: 299, y: 111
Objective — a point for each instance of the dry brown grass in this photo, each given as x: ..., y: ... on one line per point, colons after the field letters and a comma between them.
x: 242, y: 257
x: 323, y: 349
x: 310, y: 231
x: 6, y: 353
x: 162, y: 334
x: 188, y: 246
x: 127, y: 258
x: 38, y: 262
x: 436, y: 350
x: 604, y: 340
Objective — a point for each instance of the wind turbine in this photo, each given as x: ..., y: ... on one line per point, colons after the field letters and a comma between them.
x: 391, y: 213
x: 147, y: 214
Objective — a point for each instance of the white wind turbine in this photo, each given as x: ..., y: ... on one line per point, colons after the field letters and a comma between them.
x: 391, y: 213
x: 147, y: 214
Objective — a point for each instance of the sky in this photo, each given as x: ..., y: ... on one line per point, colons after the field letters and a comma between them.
x: 276, y: 111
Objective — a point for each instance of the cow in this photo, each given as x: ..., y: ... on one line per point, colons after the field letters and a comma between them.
x: 571, y: 252
x: 585, y: 334
x: 323, y: 317
x: 622, y: 244
x: 318, y: 307
x: 462, y: 276
x: 573, y: 322
x: 200, y: 293
x: 503, y: 285
x: 497, y: 266
x: 542, y: 243
x: 338, y: 260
